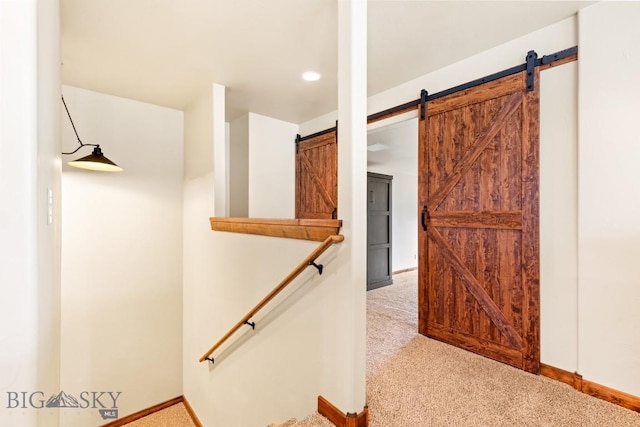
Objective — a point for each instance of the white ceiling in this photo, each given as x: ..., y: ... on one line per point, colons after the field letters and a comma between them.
x: 167, y: 52
x: 400, y: 152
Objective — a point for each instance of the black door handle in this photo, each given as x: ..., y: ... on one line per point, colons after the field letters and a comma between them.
x: 424, y: 217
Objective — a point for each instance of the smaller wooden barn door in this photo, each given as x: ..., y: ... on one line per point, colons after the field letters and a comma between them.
x: 317, y: 177
x: 478, y: 241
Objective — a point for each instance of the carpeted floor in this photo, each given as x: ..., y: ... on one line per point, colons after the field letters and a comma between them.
x: 392, y: 319
x: 173, y: 416
x: 413, y: 381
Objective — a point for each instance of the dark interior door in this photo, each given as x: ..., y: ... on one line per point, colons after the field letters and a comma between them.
x: 478, y: 243
x: 378, y: 230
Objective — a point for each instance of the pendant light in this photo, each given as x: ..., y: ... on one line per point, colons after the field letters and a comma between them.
x: 96, y: 160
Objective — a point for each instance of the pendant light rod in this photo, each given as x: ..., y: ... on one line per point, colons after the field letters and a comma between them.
x: 96, y: 160
x: 74, y: 129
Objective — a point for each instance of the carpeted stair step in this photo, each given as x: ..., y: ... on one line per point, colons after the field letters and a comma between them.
x: 289, y: 423
x: 315, y: 420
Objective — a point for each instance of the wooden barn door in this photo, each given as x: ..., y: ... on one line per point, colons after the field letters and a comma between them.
x: 317, y: 177
x: 478, y: 241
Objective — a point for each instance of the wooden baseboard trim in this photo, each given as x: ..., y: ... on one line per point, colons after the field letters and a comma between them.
x: 599, y: 391
x: 610, y: 395
x: 573, y: 379
x: 192, y: 413
x: 404, y: 270
x: 339, y: 418
x: 140, y: 414
x: 156, y: 408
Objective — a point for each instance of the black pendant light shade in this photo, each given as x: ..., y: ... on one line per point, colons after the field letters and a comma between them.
x: 96, y: 161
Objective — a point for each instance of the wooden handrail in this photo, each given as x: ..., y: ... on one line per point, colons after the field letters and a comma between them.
x: 283, y: 284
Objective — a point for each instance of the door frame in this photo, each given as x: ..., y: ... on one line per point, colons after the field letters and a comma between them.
x: 389, y: 281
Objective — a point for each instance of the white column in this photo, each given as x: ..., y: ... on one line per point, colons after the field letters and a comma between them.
x: 49, y: 215
x: 220, y: 152
x: 29, y: 243
x: 352, y: 179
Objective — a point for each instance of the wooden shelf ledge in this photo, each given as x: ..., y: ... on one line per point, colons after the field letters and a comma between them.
x: 306, y: 229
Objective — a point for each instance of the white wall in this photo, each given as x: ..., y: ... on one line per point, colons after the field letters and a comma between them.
x: 292, y: 356
x: 405, y: 221
x: 239, y: 167
x: 547, y: 40
x: 558, y: 216
x: 271, y: 167
x: 261, y: 188
x: 122, y: 255
x: 609, y: 195
x: 29, y: 243
x: 558, y: 193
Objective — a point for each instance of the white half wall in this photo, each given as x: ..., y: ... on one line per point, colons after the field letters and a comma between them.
x: 292, y: 352
x: 122, y: 255
x: 310, y: 340
x: 609, y: 195
x: 271, y: 167
x: 29, y: 231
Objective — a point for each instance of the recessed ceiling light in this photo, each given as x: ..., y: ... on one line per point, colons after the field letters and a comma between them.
x: 377, y: 147
x: 311, y: 76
